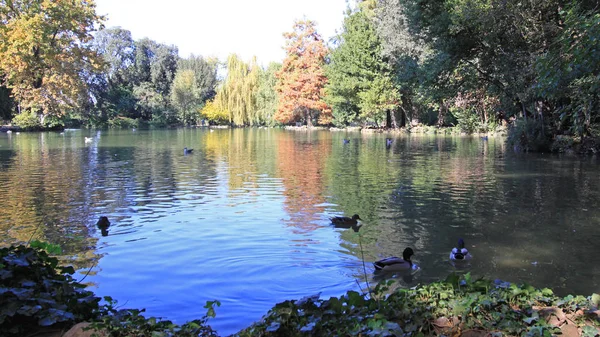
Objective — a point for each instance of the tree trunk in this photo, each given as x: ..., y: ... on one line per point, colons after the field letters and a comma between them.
x: 388, y: 119
x: 441, y: 114
x: 403, y: 118
x: 308, y: 118
x: 393, y: 114
x: 405, y: 111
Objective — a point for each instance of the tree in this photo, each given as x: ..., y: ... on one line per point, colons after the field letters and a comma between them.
x: 43, y: 48
x: 185, y: 96
x: 118, y: 50
x: 215, y: 114
x: 237, y: 94
x: 112, y: 89
x: 163, y: 68
x: 144, y: 55
x: 6, y: 104
x: 569, y: 74
x: 205, y: 74
x: 360, y: 78
x: 302, y: 79
x: 266, y: 97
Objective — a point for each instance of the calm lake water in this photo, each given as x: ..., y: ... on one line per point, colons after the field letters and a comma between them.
x: 244, y: 219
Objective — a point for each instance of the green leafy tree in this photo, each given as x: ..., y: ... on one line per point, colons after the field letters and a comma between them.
x: 163, y: 68
x: 186, y: 96
x: 237, y: 94
x: 569, y: 75
x: 112, y: 89
x: 194, y: 83
x: 360, y: 83
x: 118, y: 50
x: 301, y: 80
x: 205, y: 74
x: 266, y: 97
x: 43, y: 48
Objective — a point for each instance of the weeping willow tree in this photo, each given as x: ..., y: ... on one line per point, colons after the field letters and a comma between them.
x: 237, y: 94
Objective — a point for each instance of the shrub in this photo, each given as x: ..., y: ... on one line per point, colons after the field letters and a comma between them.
x: 27, y: 120
x: 35, y: 292
x: 529, y: 135
x: 123, y: 123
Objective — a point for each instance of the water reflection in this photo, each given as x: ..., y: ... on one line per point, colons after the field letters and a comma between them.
x: 245, y: 218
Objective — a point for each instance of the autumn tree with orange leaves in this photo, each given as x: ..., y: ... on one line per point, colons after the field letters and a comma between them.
x: 44, y: 51
x: 301, y: 80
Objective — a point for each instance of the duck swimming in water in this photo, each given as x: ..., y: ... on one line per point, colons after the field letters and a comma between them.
x: 460, y: 253
x: 187, y: 151
x: 395, y: 263
x: 345, y: 221
x: 103, y: 224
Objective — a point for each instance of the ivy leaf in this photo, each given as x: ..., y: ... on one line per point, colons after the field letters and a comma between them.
x: 588, y: 331
x: 20, y: 261
x: 596, y: 300
x: 54, y: 316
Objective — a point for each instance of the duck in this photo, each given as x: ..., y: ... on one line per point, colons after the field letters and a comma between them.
x: 187, y: 151
x: 395, y: 263
x: 345, y: 221
x: 346, y: 141
x: 103, y: 224
x: 388, y: 142
x: 460, y: 253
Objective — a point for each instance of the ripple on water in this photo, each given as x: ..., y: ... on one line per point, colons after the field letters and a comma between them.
x: 245, y: 219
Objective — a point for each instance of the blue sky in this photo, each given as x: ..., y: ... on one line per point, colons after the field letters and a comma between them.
x: 218, y: 28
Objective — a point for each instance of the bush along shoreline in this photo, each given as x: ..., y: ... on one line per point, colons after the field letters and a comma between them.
x: 39, y: 296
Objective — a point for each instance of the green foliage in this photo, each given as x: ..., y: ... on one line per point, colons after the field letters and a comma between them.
x: 185, y: 96
x: 50, y: 248
x: 136, y: 83
x: 131, y: 322
x: 467, y: 118
x: 443, y: 308
x: 529, y: 135
x: 214, y: 114
x: 205, y: 74
x: 123, y: 123
x: 27, y: 120
x: 116, y: 46
x: 237, y: 94
x: 360, y: 85
x: 266, y: 96
x: 569, y: 75
x: 35, y: 291
x: 194, y: 83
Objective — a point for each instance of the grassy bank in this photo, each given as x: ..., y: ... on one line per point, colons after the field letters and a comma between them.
x: 38, y: 295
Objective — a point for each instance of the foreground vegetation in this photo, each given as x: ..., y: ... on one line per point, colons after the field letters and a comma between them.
x: 39, y: 295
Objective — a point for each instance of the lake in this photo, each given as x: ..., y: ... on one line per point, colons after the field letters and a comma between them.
x: 244, y: 218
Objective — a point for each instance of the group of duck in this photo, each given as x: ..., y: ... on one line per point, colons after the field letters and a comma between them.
x: 393, y: 263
